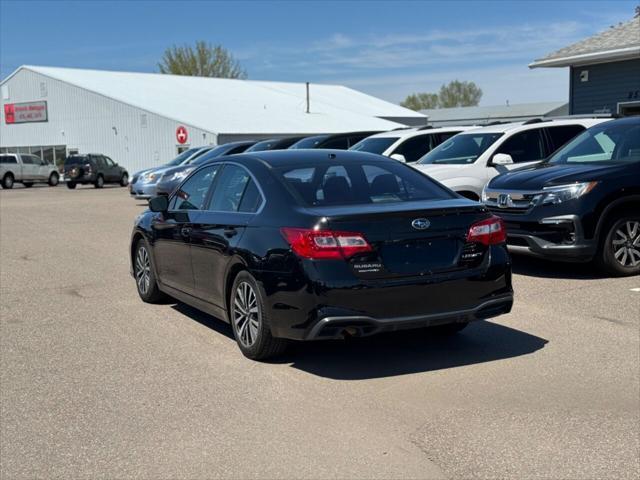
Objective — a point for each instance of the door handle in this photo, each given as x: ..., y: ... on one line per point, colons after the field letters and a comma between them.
x: 230, y: 232
x: 185, y: 231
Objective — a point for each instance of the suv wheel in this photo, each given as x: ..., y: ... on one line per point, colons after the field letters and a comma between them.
x: 7, y: 181
x: 250, y: 320
x: 124, y: 180
x: 54, y: 178
x: 99, y: 182
x: 619, y: 253
x: 145, y: 278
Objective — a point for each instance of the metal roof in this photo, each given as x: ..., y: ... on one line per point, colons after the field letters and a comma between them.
x: 494, y: 112
x: 620, y: 42
x: 230, y: 106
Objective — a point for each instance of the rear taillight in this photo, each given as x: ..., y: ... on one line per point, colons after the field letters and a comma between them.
x: 488, y: 232
x: 325, y: 244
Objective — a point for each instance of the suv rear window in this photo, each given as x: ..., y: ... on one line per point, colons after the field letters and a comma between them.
x: 8, y: 159
x: 360, y: 182
x: 76, y: 160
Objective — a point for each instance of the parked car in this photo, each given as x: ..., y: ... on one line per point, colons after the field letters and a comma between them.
x: 95, y: 169
x: 274, y: 144
x: 172, y: 177
x: 338, y: 141
x: 466, y: 162
x: 144, y: 183
x: 26, y: 169
x: 582, y: 204
x: 310, y: 245
x: 407, y: 145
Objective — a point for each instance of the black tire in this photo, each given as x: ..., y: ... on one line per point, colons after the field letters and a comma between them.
x: 7, y: 181
x: 54, y: 178
x: 124, y: 180
x: 619, y: 251
x: 27, y: 184
x: 71, y: 185
x: 255, y: 343
x: 144, y: 274
x: 99, y: 183
x: 447, y: 329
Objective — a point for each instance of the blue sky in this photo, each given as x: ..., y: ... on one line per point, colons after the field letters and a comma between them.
x: 388, y: 49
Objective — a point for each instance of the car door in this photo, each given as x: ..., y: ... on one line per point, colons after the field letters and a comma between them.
x: 43, y: 170
x: 30, y: 167
x: 525, y: 148
x: 217, y: 230
x: 172, y: 230
x: 112, y: 173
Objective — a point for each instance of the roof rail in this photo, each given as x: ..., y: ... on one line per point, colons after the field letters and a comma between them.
x: 585, y: 115
x: 535, y: 120
x: 426, y: 127
x: 497, y: 122
x: 401, y: 128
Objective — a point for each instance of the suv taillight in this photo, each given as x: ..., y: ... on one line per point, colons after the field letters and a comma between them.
x: 325, y: 244
x: 488, y: 232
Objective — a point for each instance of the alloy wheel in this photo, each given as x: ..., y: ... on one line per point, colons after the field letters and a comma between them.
x: 246, y: 314
x: 143, y: 270
x: 626, y: 244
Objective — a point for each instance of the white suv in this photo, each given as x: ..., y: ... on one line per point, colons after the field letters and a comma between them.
x: 465, y: 163
x: 407, y: 145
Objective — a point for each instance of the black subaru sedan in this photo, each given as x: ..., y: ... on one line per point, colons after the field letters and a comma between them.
x: 321, y: 244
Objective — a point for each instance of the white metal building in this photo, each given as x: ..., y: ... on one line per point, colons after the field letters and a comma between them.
x: 145, y: 119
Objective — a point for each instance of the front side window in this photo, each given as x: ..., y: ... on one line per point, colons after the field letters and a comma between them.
x: 360, y: 183
x: 617, y: 143
x: 192, y: 194
x: 415, y: 148
x: 374, y: 144
x: 527, y: 146
x: 110, y: 163
x: 29, y: 160
x: 462, y: 149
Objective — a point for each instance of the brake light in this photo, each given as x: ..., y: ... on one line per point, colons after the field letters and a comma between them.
x: 488, y: 232
x: 325, y: 244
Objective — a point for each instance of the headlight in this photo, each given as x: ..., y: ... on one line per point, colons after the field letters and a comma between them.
x: 181, y: 175
x: 150, y: 177
x: 563, y: 193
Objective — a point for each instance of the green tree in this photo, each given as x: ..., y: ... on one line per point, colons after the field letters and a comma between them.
x: 453, y: 94
x: 420, y: 101
x: 203, y: 60
x: 459, y: 94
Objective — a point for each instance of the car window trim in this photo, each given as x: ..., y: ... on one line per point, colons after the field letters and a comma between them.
x: 262, y: 195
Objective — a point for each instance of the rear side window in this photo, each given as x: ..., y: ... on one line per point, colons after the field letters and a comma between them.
x: 29, y: 160
x: 415, y: 147
x: 562, y: 135
x: 230, y: 189
x: 6, y: 159
x: 524, y: 146
x: 360, y: 183
x: 251, y: 198
x: 193, y: 193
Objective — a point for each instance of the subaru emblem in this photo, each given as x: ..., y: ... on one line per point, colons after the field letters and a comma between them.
x: 420, y: 224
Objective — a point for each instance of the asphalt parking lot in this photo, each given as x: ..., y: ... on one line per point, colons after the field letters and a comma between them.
x: 95, y: 383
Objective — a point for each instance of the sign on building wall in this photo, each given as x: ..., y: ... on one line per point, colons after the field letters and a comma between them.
x: 25, y: 112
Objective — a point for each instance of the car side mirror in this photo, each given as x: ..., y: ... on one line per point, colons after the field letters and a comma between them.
x: 399, y: 157
x: 502, y: 159
x: 159, y: 203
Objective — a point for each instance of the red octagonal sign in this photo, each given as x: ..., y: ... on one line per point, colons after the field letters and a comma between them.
x: 181, y: 135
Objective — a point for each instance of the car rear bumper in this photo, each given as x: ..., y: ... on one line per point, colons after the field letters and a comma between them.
x: 337, y: 327
x: 331, y: 299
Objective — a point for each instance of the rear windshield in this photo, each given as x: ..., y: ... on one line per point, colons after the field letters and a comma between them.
x: 463, y: 148
x: 355, y: 182
x: 309, y: 142
x: 374, y: 145
x: 76, y: 160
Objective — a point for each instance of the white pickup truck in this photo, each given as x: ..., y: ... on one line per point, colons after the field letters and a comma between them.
x: 26, y: 169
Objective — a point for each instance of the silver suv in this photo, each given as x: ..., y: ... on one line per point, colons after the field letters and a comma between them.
x: 26, y: 169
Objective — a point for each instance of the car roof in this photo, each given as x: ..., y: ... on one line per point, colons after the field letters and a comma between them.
x: 413, y: 132
x: 285, y: 158
x: 542, y: 123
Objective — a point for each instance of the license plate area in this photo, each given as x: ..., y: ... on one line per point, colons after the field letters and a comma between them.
x: 420, y: 255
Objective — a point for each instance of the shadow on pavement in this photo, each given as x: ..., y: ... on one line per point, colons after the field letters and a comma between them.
x: 398, y: 353
x: 539, y: 267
